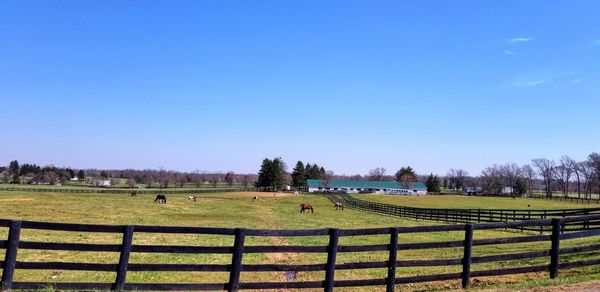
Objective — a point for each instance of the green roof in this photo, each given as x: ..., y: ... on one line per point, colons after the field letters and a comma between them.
x: 316, y: 183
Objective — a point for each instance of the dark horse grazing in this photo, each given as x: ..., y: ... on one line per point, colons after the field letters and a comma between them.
x: 133, y: 194
x: 306, y: 207
x: 339, y: 206
x: 160, y: 199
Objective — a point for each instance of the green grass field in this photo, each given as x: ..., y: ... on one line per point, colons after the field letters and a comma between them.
x: 273, y: 212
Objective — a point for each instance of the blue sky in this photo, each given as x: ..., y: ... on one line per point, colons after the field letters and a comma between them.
x: 351, y: 85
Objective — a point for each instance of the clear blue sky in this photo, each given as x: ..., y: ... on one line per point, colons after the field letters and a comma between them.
x: 351, y: 85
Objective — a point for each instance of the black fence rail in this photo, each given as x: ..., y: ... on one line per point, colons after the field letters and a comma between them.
x: 13, y: 244
x: 123, y: 191
x: 556, y: 197
x: 469, y: 215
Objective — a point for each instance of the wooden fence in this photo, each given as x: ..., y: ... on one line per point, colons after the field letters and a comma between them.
x: 466, y: 215
x: 555, y: 197
x: 123, y: 191
x: 13, y: 244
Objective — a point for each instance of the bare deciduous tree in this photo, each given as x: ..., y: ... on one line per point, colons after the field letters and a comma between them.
x: 377, y: 174
x: 457, y: 178
x: 545, y: 169
x: 230, y: 178
x: 529, y: 176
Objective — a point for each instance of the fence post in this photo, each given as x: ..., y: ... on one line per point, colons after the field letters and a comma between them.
x: 10, y: 257
x: 466, y: 262
x: 331, y: 258
x: 236, y: 259
x: 555, y: 249
x: 124, y: 258
x: 391, y: 276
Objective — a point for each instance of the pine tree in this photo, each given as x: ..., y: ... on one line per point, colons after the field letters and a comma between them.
x: 264, y: 178
x: 433, y: 184
x: 299, y: 176
x: 271, y: 174
x: 14, y: 169
x: 80, y: 174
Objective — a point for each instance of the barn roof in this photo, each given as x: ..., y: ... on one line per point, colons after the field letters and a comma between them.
x: 315, y: 183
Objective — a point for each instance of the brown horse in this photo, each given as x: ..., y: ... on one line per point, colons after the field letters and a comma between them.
x: 306, y: 207
x: 134, y: 194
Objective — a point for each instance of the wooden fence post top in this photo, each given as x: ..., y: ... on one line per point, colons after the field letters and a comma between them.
x: 236, y: 259
x: 10, y: 257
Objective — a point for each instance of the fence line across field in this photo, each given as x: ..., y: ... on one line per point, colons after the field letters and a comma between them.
x: 557, y: 226
x: 126, y: 191
x: 468, y: 215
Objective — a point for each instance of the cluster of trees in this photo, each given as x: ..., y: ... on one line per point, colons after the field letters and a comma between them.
x: 585, y: 175
x: 31, y: 173
x: 272, y: 175
x: 34, y: 174
x: 301, y: 173
x: 565, y: 176
x: 167, y: 178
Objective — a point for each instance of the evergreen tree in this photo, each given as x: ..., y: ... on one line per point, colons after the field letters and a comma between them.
x: 264, y: 179
x: 407, y: 176
x: 433, y: 184
x: 322, y: 173
x: 299, y: 176
x: 13, y: 168
x: 405, y: 171
x: 314, y: 171
x: 278, y: 173
x: 271, y: 174
x: 80, y: 174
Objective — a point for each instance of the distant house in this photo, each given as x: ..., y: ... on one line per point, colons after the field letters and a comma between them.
x: 357, y: 186
x: 473, y: 190
x: 102, y: 183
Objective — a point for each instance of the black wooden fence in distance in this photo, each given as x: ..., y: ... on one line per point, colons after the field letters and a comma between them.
x: 458, y: 216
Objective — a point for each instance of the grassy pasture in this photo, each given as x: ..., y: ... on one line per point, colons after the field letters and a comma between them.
x: 273, y: 212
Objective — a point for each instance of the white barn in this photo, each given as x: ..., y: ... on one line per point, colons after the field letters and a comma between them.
x: 357, y: 186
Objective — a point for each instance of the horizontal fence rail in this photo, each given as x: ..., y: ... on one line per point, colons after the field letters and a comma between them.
x: 557, y: 234
x: 555, y: 197
x: 124, y: 191
x: 458, y: 216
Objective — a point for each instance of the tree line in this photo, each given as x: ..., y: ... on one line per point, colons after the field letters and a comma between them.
x: 161, y: 178
x: 563, y: 176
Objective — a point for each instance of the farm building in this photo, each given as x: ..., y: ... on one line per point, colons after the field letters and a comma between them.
x: 102, y: 183
x: 357, y: 186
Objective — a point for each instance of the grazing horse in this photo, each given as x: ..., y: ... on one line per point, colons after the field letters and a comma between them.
x: 160, y: 199
x: 134, y: 194
x: 255, y: 198
x: 192, y: 198
x: 339, y: 206
x: 306, y: 207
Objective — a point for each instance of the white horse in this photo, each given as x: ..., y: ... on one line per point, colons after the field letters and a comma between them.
x: 339, y: 206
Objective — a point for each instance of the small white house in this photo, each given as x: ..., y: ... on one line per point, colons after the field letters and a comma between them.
x: 102, y: 183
